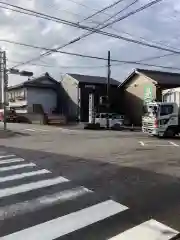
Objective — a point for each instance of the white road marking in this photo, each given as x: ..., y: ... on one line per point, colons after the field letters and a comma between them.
x: 23, y: 175
x: 7, y: 156
x: 41, y: 202
x: 174, y: 144
x: 161, y: 145
x: 3, y: 169
x: 31, y: 186
x: 69, y: 223
x: 35, y: 130
x: 11, y: 160
x: 30, y: 130
x: 150, y: 230
x: 142, y: 143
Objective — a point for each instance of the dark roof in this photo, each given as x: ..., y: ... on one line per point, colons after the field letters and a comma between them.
x: 161, y: 77
x: 93, y: 79
x: 35, y: 82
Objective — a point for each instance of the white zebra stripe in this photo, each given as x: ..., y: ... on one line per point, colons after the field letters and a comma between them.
x: 41, y: 202
x: 11, y: 160
x: 7, y: 156
x: 31, y: 186
x: 4, y: 169
x: 150, y: 230
x: 23, y: 175
x: 69, y: 223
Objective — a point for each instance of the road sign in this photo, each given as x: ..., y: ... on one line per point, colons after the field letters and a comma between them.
x: 148, y: 94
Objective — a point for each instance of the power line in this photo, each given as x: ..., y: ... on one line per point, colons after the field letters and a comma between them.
x: 101, y: 66
x: 88, y: 18
x: 151, y: 58
x: 150, y: 65
x: 157, y: 57
x: 83, y: 5
x: 117, y: 30
x: 39, y: 14
x: 84, y: 35
x: 102, y: 10
x: 100, y: 31
x: 58, y: 66
x: 95, y: 57
x: 113, y: 28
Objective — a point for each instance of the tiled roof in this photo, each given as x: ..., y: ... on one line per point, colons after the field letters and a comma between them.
x: 93, y: 79
x: 161, y: 77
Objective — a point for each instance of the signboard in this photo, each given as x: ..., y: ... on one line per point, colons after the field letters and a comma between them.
x: 148, y: 94
x: 90, y: 86
x: 91, y: 108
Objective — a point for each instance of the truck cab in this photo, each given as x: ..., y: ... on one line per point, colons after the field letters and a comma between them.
x: 161, y: 119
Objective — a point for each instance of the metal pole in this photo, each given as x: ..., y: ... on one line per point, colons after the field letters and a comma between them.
x: 5, y: 86
x: 2, y: 81
x: 1, y: 78
x: 108, y: 86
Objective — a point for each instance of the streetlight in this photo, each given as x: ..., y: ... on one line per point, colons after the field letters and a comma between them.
x: 18, y: 72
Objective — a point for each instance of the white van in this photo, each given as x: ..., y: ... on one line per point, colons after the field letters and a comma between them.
x: 114, y: 119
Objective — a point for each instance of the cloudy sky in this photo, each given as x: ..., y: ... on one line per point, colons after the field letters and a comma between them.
x: 158, y: 24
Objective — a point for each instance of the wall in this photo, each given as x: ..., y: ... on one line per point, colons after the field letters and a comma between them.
x: 99, y: 91
x: 134, y: 97
x: 46, y: 97
x: 70, y: 97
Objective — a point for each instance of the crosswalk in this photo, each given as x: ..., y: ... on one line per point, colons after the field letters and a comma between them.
x: 35, y: 204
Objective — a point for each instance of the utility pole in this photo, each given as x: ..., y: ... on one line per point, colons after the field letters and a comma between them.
x: 5, y: 87
x: 1, y: 78
x: 108, y: 87
x: 4, y: 72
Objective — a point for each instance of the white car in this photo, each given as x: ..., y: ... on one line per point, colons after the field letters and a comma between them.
x: 114, y: 119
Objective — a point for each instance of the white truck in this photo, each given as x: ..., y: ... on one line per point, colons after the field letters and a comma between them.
x: 162, y: 119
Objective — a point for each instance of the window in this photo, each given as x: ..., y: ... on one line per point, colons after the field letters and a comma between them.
x: 166, y: 109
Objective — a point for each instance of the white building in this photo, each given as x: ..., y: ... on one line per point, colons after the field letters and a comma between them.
x: 41, y: 92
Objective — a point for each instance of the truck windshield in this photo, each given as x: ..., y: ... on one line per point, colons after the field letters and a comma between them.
x: 150, y: 110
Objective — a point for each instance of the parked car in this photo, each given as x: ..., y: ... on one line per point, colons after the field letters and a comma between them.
x: 11, y: 115
x: 115, y: 119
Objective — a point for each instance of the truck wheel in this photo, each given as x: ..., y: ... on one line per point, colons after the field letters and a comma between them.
x: 169, y: 133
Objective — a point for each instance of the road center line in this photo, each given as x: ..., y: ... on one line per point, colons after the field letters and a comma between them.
x: 31, y: 186
x: 69, y: 223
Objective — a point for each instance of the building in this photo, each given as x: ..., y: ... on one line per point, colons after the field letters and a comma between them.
x: 144, y: 85
x: 42, y: 92
x: 76, y: 90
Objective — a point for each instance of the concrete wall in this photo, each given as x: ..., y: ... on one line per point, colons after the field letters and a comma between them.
x: 70, y: 96
x: 46, y: 97
x: 134, y: 97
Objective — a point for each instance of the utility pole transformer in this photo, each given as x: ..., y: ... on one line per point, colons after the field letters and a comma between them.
x: 108, y: 87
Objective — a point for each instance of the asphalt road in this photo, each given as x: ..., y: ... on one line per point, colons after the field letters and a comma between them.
x: 76, y: 184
